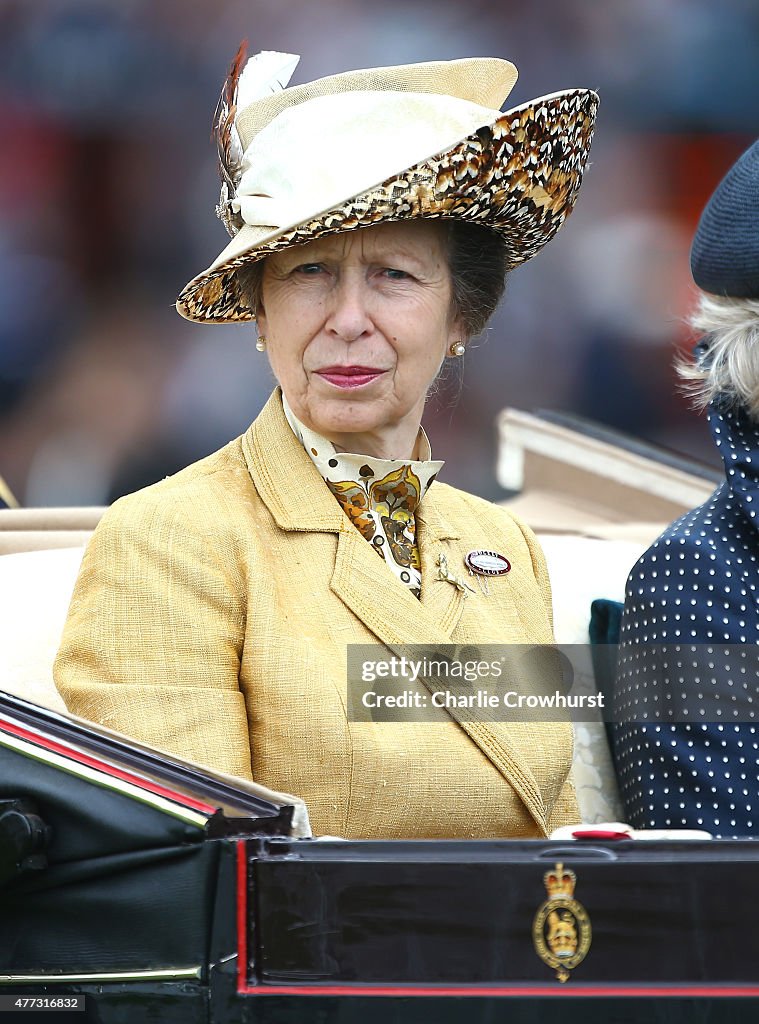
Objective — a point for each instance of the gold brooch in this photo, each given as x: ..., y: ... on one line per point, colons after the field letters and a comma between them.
x: 561, y: 930
x: 444, y: 573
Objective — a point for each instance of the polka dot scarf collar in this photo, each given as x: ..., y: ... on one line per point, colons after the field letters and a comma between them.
x: 737, y: 438
x: 379, y: 496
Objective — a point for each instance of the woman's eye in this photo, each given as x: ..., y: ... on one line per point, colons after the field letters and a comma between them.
x: 396, y: 275
x: 309, y: 268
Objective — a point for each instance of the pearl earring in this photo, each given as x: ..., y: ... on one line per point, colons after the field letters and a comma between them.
x: 261, y: 343
x: 458, y: 349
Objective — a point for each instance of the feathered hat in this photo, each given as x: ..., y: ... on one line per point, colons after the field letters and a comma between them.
x: 384, y: 144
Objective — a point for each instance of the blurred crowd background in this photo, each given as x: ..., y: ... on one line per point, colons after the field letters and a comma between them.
x: 108, y: 185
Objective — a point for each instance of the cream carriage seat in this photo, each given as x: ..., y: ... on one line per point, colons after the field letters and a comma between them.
x: 40, y: 554
x: 35, y: 591
x: 581, y: 570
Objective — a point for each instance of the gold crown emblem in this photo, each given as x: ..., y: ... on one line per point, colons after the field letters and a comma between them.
x: 561, y: 931
x: 560, y: 881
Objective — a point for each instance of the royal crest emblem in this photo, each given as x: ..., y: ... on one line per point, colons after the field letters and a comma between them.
x: 561, y: 930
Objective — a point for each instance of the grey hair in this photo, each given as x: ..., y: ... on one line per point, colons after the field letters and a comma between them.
x: 731, y: 367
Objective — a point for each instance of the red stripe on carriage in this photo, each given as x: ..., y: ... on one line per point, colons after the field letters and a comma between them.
x: 40, y: 740
x: 242, y: 917
x: 511, y: 991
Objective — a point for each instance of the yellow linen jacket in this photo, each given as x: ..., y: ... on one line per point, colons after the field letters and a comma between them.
x: 211, y: 619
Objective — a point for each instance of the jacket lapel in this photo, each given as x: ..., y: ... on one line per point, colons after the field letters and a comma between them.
x: 283, y: 473
x: 363, y: 581
x: 288, y: 482
x: 441, y: 597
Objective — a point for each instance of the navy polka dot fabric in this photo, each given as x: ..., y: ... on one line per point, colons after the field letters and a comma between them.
x: 690, y: 611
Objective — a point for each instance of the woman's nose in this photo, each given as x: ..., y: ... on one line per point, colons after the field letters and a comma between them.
x: 349, y: 317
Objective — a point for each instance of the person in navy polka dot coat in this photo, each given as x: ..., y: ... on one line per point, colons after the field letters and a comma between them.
x: 686, y: 742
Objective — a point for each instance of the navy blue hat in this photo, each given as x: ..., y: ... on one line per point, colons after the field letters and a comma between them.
x: 724, y: 257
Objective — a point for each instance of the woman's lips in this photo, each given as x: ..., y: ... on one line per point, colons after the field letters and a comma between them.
x: 349, y: 376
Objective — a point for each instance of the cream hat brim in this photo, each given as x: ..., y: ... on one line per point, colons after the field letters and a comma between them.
x: 518, y: 174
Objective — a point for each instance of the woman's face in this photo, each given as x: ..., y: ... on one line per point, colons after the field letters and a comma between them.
x: 357, y: 326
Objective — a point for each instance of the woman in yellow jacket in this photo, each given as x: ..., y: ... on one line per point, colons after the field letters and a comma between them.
x: 214, y: 610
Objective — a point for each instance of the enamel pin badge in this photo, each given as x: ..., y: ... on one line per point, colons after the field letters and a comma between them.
x: 482, y: 564
x: 487, y: 563
x: 561, y: 930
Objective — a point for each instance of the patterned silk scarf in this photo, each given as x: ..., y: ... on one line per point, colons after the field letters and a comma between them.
x: 379, y: 496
